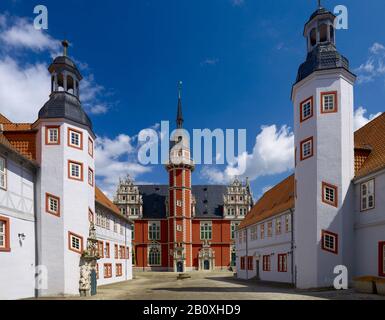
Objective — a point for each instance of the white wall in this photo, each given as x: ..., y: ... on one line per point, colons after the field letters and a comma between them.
x: 369, y: 228
x: 17, y: 267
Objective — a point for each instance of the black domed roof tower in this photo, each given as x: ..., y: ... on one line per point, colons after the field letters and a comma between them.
x: 64, y: 100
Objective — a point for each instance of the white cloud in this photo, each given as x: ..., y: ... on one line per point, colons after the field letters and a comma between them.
x: 374, y: 66
x: 210, y: 62
x: 266, y: 188
x: 359, y: 117
x: 273, y: 153
x: 115, y: 158
x: 22, y: 34
x: 24, y: 88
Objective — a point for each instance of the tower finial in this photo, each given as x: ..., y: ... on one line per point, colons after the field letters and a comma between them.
x: 65, y: 45
x: 319, y: 4
x: 179, y: 116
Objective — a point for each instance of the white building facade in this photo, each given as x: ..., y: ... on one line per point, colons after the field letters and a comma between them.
x: 48, y: 237
x: 334, y: 197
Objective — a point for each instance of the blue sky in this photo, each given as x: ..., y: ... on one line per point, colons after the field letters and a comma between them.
x: 237, y: 60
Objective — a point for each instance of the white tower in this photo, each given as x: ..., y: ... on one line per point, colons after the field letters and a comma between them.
x: 324, y: 141
x: 65, y: 184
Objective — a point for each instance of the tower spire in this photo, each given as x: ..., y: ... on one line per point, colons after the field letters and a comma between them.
x: 65, y: 45
x: 179, y: 116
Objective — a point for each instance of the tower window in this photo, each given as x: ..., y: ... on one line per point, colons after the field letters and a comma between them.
x: 90, y: 177
x: 52, y: 135
x: 75, y: 139
x: 4, y: 235
x: 3, y: 173
x: 90, y: 147
x: 329, y: 102
x: 307, y: 149
x: 313, y: 37
x: 75, y: 242
x: 52, y: 204
x: 329, y: 194
x: 306, y: 109
x: 367, y: 195
x: 329, y: 241
x: 323, y: 33
x: 75, y: 170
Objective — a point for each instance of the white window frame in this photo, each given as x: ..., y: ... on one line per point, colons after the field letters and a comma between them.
x: 79, y: 242
x: 48, y: 132
x: 51, y: 199
x: 278, y: 226
x: 3, y: 234
x: 90, y: 147
x: 306, y: 145
x: 154, y: 230
x: 157, y: 259
x: 206, y: 230
x: 329, y: 242
x: 368, y: 195
x: 308, y: 102
x: 90, y: 177
x: 74, y: 177
x: 73, y: 133
x: 233, y: 230
x: 329, y: 106
x: 3, y: 173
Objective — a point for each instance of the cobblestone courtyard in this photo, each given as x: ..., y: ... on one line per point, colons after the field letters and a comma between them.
x: 217, y: 286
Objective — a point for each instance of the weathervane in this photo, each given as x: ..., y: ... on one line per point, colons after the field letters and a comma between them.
x: 179, y: 89
x: 319, y: 3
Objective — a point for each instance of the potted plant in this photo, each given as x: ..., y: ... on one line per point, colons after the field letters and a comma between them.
x: 365, y: 284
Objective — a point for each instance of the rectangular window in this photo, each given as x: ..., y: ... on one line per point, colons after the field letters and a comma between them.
x: 329, y: 241
x: 249, y: 263
x: 234, y: 226
x: 4, y: 235
x: 52, y: 204
x: 97, y: 271
x: 75, y: 170
x: 253, y: 233
x: 52, y: 135
x: 100, y: 249
x: 90, y: 177
x: 242, y: 263
x: 306, y: 149
x: 306, y: 109
x: 90, y: 147
x: 329, y: 194
x: 119, y: 270
x: 206, y: 230
x: 154, y: 230
x: 287, y: 223
x: 282, y: 262
x: 90, y: 216
x: 122, y: 251
x: 266, y: 263
x: 367, y: 195
x: 75, y: 138
x: 107, y: 270
x: 75, y: 242
x: 270, y: 229
x: 381, y: 259
x: 278, y: 226
x: 3, y: 173
x: 107, y: 250
x: 262, y: 231
x: 116, y: 251
x: 329, y: 102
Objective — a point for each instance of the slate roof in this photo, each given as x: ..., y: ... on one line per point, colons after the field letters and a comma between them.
x: 209, y: 200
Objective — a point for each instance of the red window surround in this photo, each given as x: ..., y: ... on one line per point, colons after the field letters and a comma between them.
x: 242, y: 263
x: 107, y: 249
x: 282, y: 262
x: 107, y: 270
x: 80, y: 138
x: 47, y: 205
x: 81, y: 170
x: 334, y: 93
x: 302, y: 118
x: 47, y: 129
x: 70, y: 247
x: 7, y: 246
x: 324, y: 237
x: 381, y: 259
x: 303, y: 142
x: 100, y: 249
x: 266, y: 263
x: 249, y: 263
x: 325, y: 186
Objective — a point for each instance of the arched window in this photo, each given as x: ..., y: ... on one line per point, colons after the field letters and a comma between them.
x: 70, y: 85
x: 154, y: 255
x: 323, y: 33
x: 60, y: 82
x: 313, y: 37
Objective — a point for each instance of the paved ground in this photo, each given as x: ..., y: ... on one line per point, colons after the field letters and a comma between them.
x: 204, y: 286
